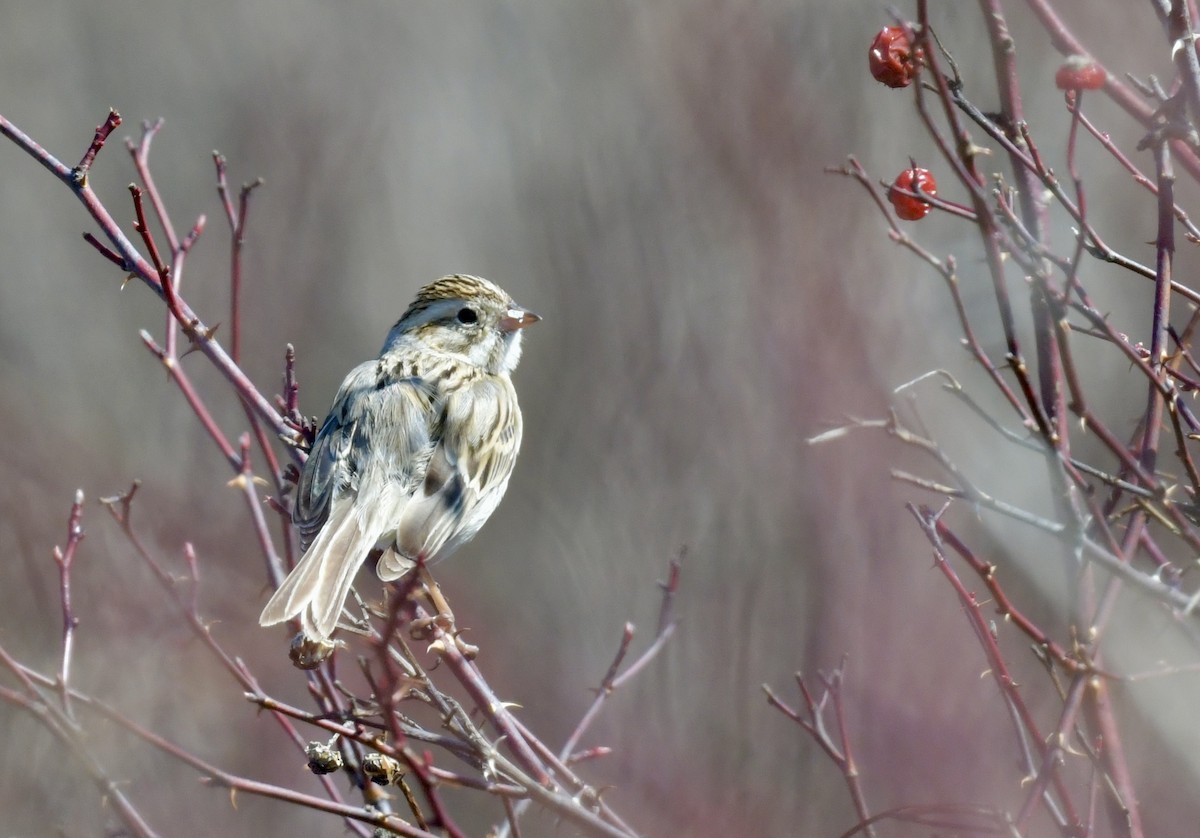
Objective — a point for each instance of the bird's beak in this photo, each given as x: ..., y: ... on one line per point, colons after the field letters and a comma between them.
x: 516, y: 318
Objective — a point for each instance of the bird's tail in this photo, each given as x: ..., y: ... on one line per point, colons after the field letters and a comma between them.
x: 316, y: 588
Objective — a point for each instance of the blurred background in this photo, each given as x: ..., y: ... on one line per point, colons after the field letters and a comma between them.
x: 648, y: 177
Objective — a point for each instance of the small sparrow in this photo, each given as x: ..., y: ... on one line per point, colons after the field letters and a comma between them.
x: 416, y: 451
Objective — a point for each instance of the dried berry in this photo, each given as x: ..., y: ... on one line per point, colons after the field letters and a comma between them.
x: 381, y: 769
x: 914, y: 179
x: 1079, y: 72
x: 322, y: 758
x: 892, y: 58
x: 307, y: 652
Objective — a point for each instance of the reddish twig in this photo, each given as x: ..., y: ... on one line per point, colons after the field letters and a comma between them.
x: 812, y: 721
x: 1034, y: 214
x: 105, y: 251
x: 614, y: 678
x: 195, y: 402
x: 1028, y: 733
x: 140, y: 152
x: 109, y: 789
x: 103, y: 130
x: 446, y: 646
x: 64, y: 558
x: 237, y: 230
x: 1004, y: 605
x: 134, y: 263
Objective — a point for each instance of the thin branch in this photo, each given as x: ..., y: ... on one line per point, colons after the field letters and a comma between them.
x: 136, y: 264
x: 64, y: 558
x: 812, y: 721
x: 103, y: 130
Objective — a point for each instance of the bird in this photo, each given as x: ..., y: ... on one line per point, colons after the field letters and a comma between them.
x: 416, y: 452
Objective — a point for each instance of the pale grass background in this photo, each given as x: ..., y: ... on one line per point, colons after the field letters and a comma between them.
x: 646, y: 176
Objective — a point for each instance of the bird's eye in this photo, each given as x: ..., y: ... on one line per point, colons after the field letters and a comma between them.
x: 467, y: 315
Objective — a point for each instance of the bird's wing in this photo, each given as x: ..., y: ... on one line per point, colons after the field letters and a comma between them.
x: 365, y: 462
x: 372, y: 414
x: 468, y: 471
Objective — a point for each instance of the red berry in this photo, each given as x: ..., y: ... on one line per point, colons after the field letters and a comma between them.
x: 910, y: 207
x: 892, y: 58
x: 1079, y: 72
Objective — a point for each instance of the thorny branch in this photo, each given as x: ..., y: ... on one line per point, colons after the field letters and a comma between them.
x: 837, y: 747
x: 374, y: 740
x: 1116, y: 519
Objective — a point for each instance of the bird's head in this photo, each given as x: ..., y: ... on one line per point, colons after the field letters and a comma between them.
x: 467, y: 316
